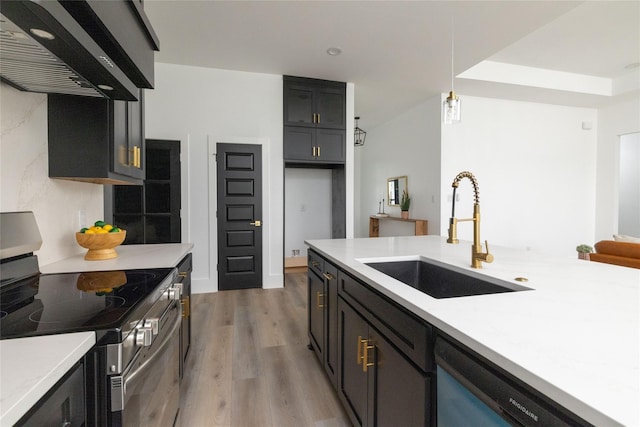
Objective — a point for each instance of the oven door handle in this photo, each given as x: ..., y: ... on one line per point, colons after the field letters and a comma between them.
x: 167, y: 337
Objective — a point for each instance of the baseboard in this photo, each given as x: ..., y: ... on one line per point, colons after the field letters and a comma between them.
x: 296, y: 261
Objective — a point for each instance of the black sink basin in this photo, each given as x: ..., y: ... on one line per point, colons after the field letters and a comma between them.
x: 441, y: 282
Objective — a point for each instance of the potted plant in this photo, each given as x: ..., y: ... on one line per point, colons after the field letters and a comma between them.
x: 584, y: 251
x: 405, y: 203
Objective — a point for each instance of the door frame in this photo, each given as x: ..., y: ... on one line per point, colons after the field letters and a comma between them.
x: 269, y: 233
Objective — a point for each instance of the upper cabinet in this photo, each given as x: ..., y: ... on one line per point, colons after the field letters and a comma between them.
x: 314, y: 121
x: 96, y: 140
x: 315, y: 103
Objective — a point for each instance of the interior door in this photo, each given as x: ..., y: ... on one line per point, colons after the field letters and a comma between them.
x: 239, y: 196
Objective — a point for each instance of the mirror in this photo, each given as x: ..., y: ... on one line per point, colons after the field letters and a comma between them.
x: 395, y: 187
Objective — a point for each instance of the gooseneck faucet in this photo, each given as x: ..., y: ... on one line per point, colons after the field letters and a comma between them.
x: 477, y: 256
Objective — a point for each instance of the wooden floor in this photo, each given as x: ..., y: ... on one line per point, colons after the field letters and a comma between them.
x: 249, y: 364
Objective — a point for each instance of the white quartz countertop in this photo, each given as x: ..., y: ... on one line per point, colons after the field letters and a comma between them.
x: 575, y: 337
x: 130, y: 257
x: 31, y: 366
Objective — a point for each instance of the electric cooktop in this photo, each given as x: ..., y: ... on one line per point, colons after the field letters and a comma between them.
x: 101, y: 301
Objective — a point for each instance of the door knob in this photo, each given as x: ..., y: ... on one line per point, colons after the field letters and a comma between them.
x: 257, y: 223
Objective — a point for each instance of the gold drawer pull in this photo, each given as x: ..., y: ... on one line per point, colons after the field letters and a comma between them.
x: 186, y: 307
x: 319, y: 295
x: 328, y: 276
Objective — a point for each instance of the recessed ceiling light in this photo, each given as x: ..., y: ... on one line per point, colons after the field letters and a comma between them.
x: 334, y: 51
x: 105, y: 87
x: 42, y: 34
x: 632, y: 66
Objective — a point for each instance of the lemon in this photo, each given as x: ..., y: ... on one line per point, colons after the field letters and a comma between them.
x: 107, y: 227
x: 101, y: 231
x: 90, y: 231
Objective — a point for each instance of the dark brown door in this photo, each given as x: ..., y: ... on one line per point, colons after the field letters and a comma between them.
x: 239, y: 174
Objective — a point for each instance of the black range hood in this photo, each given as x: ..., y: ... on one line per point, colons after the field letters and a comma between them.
x: 48, y: 47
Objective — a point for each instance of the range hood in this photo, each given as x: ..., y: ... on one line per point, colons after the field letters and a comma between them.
x: 44, y: 49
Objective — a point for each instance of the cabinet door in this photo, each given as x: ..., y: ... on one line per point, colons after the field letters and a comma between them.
x: 122, y: 157
x: 299, y: 143
x: 298, y: 105
x: 331, y: 331
x: 316, y: 312
x: 400, y: 392
x: 330, y: 145
x: 352, y: 380
x: 135, y: 136
x: 128, y: 138
x: 331, y: 107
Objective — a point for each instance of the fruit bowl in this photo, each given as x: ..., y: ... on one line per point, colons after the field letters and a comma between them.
x: 101, y: 246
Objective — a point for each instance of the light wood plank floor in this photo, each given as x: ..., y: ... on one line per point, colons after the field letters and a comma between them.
x: 249, y: 364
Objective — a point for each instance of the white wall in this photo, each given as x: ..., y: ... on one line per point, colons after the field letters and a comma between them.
x: 629, y: 194
x: 613, y: 121
x: 202, y: 105
x: 307, y: 207
x: 536, y: 170
x: 535, y: 165
x: 24, y: 177
x: 408, y: 145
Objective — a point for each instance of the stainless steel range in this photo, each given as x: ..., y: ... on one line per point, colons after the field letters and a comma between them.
x: 132, y: 374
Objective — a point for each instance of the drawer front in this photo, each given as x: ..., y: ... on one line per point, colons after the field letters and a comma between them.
x: 409, y: 334
x: 315, y: 263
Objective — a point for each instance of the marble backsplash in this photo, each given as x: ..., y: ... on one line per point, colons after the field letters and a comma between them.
x: 60, y: 206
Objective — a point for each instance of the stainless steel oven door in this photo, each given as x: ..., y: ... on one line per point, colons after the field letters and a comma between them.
x: 148, y: 391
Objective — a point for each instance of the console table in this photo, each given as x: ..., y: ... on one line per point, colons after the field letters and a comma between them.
x: 374, y: 224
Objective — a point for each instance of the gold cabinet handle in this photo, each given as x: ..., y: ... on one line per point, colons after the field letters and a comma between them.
x: 365, y: 355
x: 138, y: 157
x: 319, y: 295
x: 328, y: 276
x: 318, y: 151
x: 315, y: 263
x: 186, y: 307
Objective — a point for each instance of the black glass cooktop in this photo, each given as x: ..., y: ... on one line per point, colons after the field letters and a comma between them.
x: 101, y: 301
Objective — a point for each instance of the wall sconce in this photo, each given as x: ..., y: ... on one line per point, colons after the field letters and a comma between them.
x: 358, y: 135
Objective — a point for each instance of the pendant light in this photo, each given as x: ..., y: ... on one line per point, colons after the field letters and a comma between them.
x: 358, y: 134
x: 451, y: 106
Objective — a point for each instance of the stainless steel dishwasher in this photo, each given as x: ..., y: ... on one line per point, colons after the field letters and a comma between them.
x: 472, y: 393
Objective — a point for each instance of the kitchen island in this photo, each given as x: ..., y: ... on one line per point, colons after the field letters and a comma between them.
x: 574, y: 337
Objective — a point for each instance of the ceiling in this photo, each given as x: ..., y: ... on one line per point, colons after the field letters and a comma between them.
x: 398, y: 53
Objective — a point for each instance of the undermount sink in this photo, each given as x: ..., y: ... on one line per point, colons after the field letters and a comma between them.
x: 441, y: 282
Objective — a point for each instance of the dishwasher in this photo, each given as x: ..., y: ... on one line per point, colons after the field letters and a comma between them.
x: 472, y: 393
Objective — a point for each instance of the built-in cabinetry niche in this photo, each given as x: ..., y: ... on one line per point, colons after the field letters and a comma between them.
x: 314, y: 138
